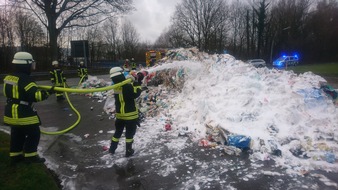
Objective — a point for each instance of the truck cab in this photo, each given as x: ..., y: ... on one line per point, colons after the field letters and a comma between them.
x: 153, y: 56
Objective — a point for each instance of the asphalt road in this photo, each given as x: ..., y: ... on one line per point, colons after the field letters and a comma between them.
x: 80, y: 161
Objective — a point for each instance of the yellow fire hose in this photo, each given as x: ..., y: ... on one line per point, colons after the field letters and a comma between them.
x: 72, y: 90
x: 60, y: 89
x: 81, y: 80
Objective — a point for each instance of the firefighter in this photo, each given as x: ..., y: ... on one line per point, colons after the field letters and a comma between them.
x: 133, y: 64
x: 57, y: 79
x: 126, y: 70
x: 82, y: 72
x: 126, y: 110
x: 21, y: 91
x: 126, y: 65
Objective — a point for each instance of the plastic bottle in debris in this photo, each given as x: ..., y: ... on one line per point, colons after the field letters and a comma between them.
x: 330, y: 157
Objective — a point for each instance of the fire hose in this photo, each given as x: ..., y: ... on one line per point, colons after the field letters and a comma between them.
x: 72, y: 90
x: 81, y: 80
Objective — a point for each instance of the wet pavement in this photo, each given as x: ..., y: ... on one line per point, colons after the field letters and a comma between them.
x: 163, y: 160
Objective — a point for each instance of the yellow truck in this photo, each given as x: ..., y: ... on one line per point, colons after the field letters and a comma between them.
x: 153, y: 56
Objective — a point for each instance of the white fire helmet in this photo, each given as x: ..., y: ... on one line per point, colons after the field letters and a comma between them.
x: 21, y: 58
x: 55, y: 63
x: 115, y: 71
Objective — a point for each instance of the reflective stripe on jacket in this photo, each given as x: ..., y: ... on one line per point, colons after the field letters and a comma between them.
x: 82, y: 71
x: 133, y: 65
x: 56, y: 76
x: 125, y: 103
x: 21, y: 91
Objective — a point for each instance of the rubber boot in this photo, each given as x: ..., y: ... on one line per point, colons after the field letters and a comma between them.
x: 16, y: 159
x: 129, y: 149
x: 113, y: 147
x: 34, y: 159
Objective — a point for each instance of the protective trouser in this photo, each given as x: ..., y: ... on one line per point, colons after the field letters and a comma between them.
x: 130, y: 126
x: 59, y: 95
x: 24, y: 140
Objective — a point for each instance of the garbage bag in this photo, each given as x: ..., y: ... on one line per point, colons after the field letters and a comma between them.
x: 239, y: 141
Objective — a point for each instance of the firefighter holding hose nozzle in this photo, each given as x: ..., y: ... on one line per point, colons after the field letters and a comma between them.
x: 21, y: 92
x: 127, y: 114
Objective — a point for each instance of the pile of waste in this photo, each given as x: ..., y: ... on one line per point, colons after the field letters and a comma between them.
x: 94, y: 82
x: 181, y: 54
x: 220, y: 102
x: 305, y: 102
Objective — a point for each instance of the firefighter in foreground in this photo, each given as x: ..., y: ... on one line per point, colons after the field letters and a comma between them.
x: 82, y: 72
x: 21, y: 91
x: 57, y: 79
x: 126, y: 109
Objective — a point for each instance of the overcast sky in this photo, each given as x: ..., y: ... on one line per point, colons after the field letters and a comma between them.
x: 151, y: 17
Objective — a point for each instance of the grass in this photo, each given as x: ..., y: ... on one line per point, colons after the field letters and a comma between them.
x: 326, y: 69
x: 23, y: 176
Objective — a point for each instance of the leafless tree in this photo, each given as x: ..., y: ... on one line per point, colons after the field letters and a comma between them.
x: 28, y: 30
x: 289, y: 18
x: 237, y: 20
x: 130, y: 39
x: 200, y: 20
x: 97, y: 45
x: 163, y: 40
x: 321, y: 38
x: 261, y: 11
x: 7, y: 34
x: 173, y: 37
x: 6, y: 28
x: 112, y: 37
x: 57, y: 15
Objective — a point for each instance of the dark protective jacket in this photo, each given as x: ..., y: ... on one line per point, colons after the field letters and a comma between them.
x: 133, y: 66
x: 21, y: 91
x: 56, y: 77
x: 82, y: 71
x: 125, y: 103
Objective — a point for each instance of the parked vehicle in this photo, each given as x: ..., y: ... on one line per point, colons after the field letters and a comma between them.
x: 286, y: 61
x: 153, y: 56
x: 257, y: 62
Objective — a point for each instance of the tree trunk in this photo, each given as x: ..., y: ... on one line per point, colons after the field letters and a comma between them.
x: 53, y: 44
x: 53, y: 37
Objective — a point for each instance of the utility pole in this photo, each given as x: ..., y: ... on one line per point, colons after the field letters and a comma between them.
x: 273, y: 41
